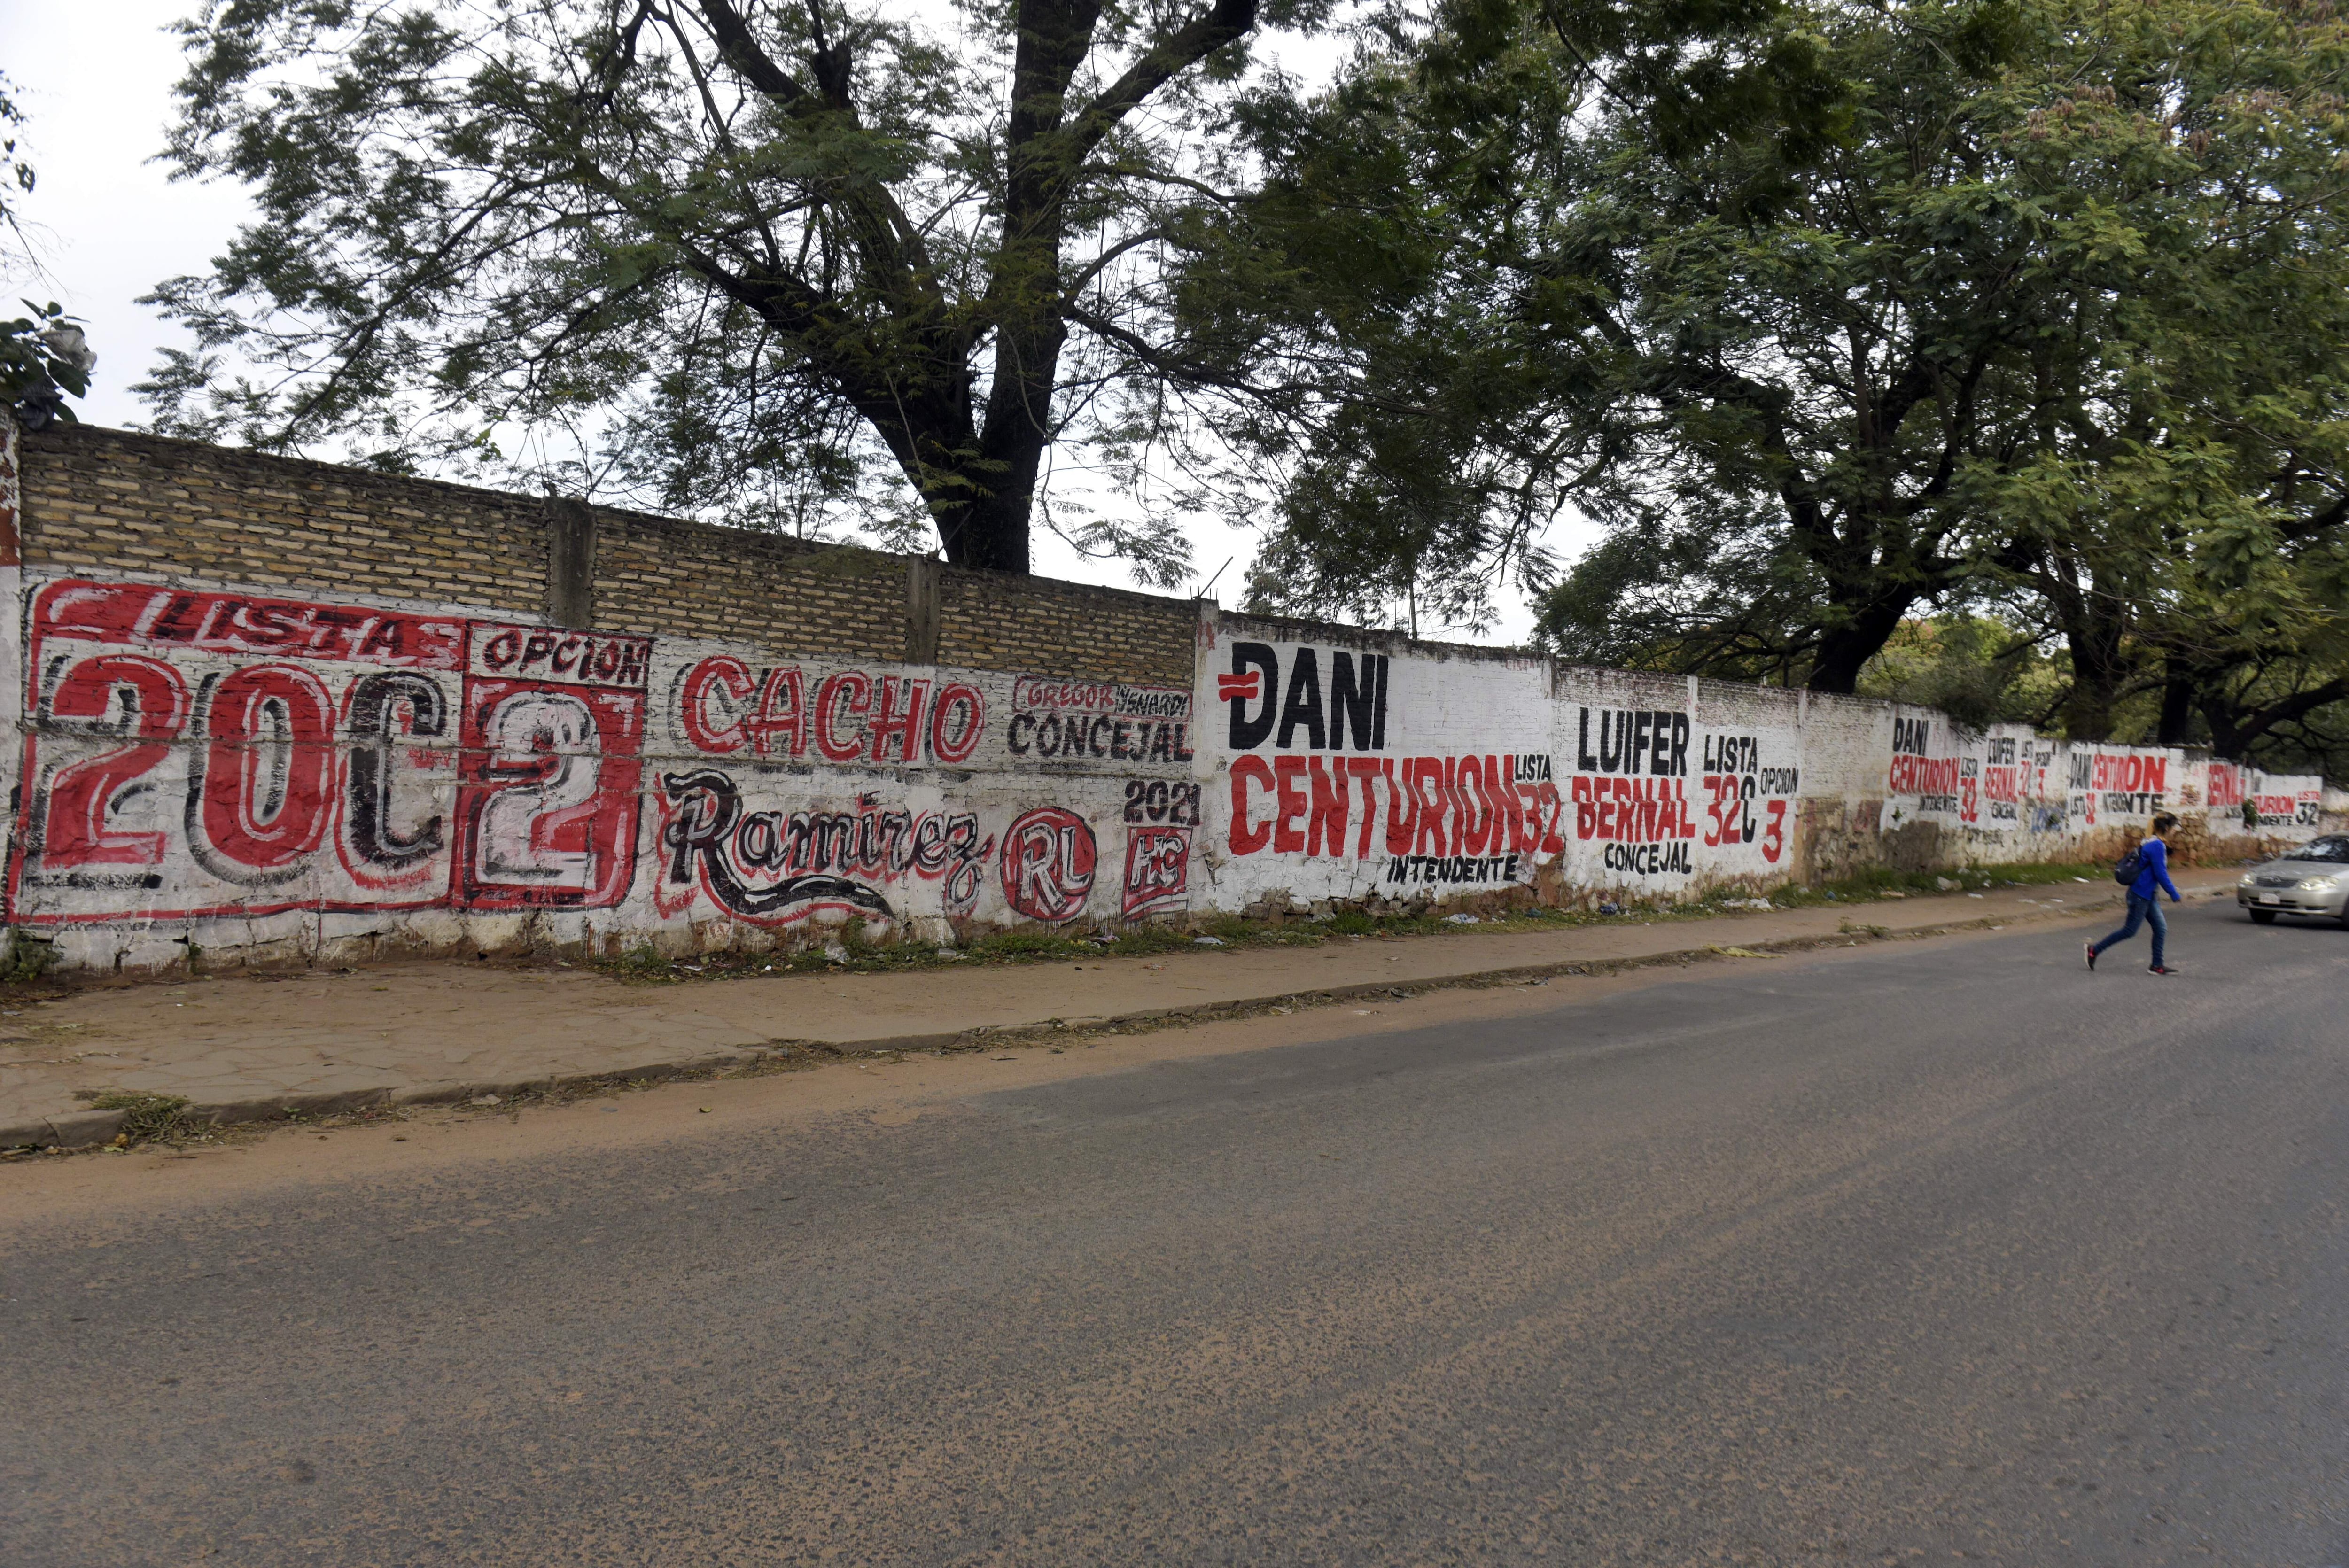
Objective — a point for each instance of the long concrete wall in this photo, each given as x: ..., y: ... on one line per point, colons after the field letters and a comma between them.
x: 1346, y: 767
x: 347, y: 757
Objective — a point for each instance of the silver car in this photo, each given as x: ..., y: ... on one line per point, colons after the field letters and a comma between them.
x: 2312, y: 879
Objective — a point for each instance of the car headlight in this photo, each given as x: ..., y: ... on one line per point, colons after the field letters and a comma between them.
x: 2246, y: 880
x: 2319, y: 884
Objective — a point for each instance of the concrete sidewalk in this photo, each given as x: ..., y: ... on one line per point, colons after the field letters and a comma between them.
x: 252, y: 1047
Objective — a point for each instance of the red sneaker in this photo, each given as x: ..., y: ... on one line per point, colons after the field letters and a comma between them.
x: 2090, y: 949
x: 2158, y: 969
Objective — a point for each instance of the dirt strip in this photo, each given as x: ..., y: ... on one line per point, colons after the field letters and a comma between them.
x: 250, y: 1047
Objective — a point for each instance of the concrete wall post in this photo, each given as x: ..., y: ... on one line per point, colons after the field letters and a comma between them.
x: 12, y: 543
x: 924, y: 577
x: 570, y: 561
x: 12, y: 629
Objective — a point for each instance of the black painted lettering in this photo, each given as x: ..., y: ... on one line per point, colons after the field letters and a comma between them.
x: 374, y: 763
x: 1258, y: 658
x: 1302, y: 705
x: 1351, y: 702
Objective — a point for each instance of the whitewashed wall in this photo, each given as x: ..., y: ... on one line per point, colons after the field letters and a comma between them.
x: 1619, y: 783
x: 278, y: 777
x: 302, y: 777
x: 1674, y: 783
x: 1353, y: 768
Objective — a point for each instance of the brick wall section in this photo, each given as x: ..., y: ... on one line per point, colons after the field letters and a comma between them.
x: 115, y: 502
x: 112, y: 502
x: 993, y: 623
x: 690, y: 580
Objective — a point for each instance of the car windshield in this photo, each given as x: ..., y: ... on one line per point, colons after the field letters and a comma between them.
x: 2332, y: 849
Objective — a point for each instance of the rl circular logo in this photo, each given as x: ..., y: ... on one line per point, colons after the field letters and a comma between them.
x: 1048, y: 864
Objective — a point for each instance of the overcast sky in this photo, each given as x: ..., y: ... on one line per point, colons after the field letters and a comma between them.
x: 93, y: 78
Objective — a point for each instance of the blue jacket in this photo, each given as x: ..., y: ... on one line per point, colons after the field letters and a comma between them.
x: 2155, y: 872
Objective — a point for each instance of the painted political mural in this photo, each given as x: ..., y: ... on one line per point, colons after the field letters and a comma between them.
x: 2227, y: 787
x: 1356, y: 772
x: 1663, y: 797
x: 1921, y: 781
x: 1372, y: 772
x: 2288, y: 806
x: 197, y: 756
x: 199, y: 766
x: 192, y: 754
x: 2013, y: 792
x: 2239, y: 799
x: 1996, y: 781
x: 910, y: 796
x: 2120, y: 786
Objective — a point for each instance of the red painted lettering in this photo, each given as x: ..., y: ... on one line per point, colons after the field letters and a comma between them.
x: 955, y: 722
x: 723, y: 673
x: 1288, y: 773
x: 900, y: 718
x: 1248, y: 836
x: 783, y: 711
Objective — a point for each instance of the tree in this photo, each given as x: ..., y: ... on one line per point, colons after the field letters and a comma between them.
x: 2060, y: 331
x: 2046, y: 321
x: 2182, y: 515
x: 1826, y: 368
x: 1980, y: 670
x: 729, y: 246
x: 17, y: 177
x: 1406, y: 353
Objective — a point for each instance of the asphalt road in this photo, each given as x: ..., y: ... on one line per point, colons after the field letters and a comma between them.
x: 1916, y: 1252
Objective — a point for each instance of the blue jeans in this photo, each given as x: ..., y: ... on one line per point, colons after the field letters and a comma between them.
x: 2140, y: 911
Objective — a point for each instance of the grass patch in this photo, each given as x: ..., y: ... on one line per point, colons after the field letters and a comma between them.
x: 146, y: 1117
x: 1877, y: 883
x: 29, y: 958
x: 642, y: 962
x: 1878, y: 880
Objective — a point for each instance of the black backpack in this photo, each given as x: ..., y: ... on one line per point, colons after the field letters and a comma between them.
x: 2126, y: 868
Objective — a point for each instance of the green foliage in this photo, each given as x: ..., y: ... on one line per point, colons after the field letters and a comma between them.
x: 1876, y: 881
x: 642, y: 962
x: 1026, y: 944
x: 2192, y: 542
x: 44, y: 359
x: 1835, y: 318
x: 2064, y: 336
x: 1978, y: 670
x: 29, y: 958
x: 1406, y: 330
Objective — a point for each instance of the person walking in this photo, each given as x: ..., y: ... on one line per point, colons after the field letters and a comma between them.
x: 2144, y: 896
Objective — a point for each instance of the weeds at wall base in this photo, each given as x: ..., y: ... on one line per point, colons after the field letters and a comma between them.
x: 28, y: 972
x: 146, y: 1117
x: 854, y: 952
x: 29, y: 958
